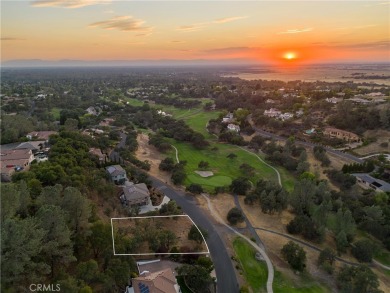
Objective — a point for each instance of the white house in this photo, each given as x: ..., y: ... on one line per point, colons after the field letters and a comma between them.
x: 272, y: 112
x: 228, y: 118
x: 333, y: 100
x: 286, y: 116
x: 233, y: 127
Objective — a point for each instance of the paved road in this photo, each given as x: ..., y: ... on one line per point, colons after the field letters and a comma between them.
x: 226, y: 276
x: 224, y: 269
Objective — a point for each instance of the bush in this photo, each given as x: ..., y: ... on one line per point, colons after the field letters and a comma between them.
x: 235, y: 216
x: 363, y: 250
x: 294, y: 255
x: 195, y: 188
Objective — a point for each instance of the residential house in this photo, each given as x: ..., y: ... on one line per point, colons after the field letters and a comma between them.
x: 14, y: 160
x: 116, y: 173
x: 106, y: 122
x: 358, y: 100
x: 365, y: 180
x: 98, y: 153
x: 40, y: 135
x: 342, y: 134
x: 272, y: 113
x: 34, y: 146
x: 162, y: 113
x: 299, y: 113
x: 233, y: 127
x: 333, y: 100
x: 228, y: 118
x: 135, y: 195
x: 270, y: 101
x: 285, y: 116
x: 158, y: 282
x: 95, y: 111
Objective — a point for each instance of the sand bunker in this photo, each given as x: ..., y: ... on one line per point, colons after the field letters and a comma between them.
x: 204, y: 173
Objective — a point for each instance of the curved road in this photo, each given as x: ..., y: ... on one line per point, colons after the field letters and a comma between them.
x: 224, y: 269
x: 226, y: 276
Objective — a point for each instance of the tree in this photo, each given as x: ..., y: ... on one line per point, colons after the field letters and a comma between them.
x: 231, y: 156
x: 100, y: 238
x: 205, y: 262
x: 363, y: 250
x: 195, y: 188
x: 240, y: 185
x: 294, y: 255
x: 71, y: 124
x: 196, y: 234
x: 58, y: 245
x: 196, y: 277
x: 203, y: 165
x: 167, y: 164
x: 345, y: 223
x: 22, y: 241
x: 326, y: 260
x: 235, y: 216
x: 302, y: 196
x: 360, y: 279
x: 341, y: 242
x: 88, y: 270
x: 247, y: 170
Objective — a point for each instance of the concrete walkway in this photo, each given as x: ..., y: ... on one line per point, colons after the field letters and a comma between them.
x: 270, y: 268
x: 177, y: 153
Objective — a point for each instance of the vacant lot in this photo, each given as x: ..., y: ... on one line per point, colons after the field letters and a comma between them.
x: 381, y: 136
x: 139, y: 229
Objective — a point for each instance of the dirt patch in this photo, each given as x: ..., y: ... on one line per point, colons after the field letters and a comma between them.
x: 148, y: 152
x: 204, y: 174
x: 374, y: 147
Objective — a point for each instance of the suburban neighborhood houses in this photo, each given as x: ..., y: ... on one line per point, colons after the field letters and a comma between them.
x: 135, y: 195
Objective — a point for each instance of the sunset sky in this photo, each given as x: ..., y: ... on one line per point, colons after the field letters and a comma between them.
x: 265, y: 31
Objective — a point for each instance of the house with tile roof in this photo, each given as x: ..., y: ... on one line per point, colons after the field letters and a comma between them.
x: 158, y: 282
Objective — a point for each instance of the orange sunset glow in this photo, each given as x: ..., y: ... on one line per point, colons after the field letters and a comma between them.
x: 258, y: 31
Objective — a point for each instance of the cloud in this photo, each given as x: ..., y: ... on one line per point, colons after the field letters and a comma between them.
x: 67, y: 3
x: 123, y: 23
x: 296, y: 31
x: 12, y: 39
x: 178, y: 42
x: 232, y: 50
x: 229, y: 19
x: 369, y: 45
x: 190, y: 28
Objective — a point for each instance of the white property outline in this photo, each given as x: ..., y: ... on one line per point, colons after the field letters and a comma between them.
x: 154, y: 253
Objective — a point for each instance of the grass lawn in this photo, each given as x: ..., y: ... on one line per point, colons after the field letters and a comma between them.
x: 56, y: 113
x: 199, y: 120
x: 255, y: 272
x: 283, y: 284
x: 134, y: 102
x: 224, y: 169
x: 383, y: 256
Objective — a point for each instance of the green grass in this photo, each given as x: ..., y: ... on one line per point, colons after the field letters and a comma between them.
x: 255, y: 272
x: 199, y: 120
x: 134, y: 102
x: 210, y: 181
x: 383, y: 256
x: 283, y: 284
x: 56, y: 113
x: 223, y: 167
